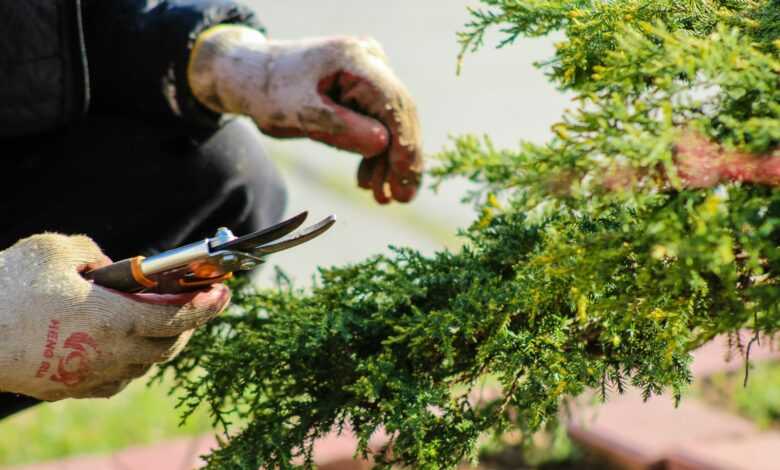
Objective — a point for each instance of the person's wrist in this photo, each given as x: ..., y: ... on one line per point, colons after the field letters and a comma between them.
x: 222, y: 56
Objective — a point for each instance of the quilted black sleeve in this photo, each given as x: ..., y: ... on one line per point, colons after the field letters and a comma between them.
x: 138, y: 52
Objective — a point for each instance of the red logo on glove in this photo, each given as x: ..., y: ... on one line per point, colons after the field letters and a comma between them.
x: 75, y: 365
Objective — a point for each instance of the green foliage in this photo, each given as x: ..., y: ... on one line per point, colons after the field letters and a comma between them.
x: 561, y: 285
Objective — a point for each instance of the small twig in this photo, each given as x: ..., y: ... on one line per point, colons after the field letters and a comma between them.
x: 755, y: 339
x: 511, y: 392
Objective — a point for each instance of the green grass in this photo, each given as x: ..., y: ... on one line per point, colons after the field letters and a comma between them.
x: 139, y: 415
x: 759, y: 401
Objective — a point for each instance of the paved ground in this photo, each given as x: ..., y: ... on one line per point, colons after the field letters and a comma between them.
x: 656, y: 434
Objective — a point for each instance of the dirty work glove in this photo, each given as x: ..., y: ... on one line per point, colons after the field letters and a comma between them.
x: 62, y: 336
x: 337, y: 90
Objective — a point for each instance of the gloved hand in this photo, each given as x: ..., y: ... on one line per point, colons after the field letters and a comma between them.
x: 62, y: 336
x: 337, y: 90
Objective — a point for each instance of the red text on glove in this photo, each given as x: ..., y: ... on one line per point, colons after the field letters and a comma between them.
x: 52, y: 335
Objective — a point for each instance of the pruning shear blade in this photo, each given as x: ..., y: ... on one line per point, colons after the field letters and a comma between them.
x: 248, y: 243
x: 297, y: 238
x: 249, y: 251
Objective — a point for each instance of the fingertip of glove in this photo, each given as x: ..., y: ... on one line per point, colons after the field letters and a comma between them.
x: 214, y: 300
x: 158, y: 318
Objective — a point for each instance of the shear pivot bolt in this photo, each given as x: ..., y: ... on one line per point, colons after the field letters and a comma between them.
x: 223, y: 235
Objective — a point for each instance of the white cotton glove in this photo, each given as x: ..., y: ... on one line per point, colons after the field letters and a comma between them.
x: 337, y: 90
x: 62, y: 336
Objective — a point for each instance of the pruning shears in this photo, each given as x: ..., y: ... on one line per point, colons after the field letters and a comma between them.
x: 212, y: 260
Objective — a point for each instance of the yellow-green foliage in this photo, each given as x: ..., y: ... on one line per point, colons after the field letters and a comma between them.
x: 555, y: 291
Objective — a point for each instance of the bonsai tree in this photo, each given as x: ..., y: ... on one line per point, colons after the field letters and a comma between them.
x: 649, y: 224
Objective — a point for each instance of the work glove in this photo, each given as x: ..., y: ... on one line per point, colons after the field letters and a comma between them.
x: 62, y: 336
x: 336, y: 90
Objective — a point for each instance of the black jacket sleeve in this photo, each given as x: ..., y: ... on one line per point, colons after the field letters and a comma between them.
x: 138, y: 52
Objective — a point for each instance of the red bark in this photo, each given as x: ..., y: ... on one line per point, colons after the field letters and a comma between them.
x: 702, y: 163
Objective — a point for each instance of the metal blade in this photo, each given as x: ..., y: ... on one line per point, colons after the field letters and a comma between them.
x: 248, y: 243
x: 297, y: 238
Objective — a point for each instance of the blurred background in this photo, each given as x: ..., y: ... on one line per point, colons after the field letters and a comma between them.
x: 499, y: 93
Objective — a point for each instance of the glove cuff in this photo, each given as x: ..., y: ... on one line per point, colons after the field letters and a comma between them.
x: 216, y: 56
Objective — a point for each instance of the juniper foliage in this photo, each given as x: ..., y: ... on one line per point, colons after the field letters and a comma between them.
x: 554, y: 292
